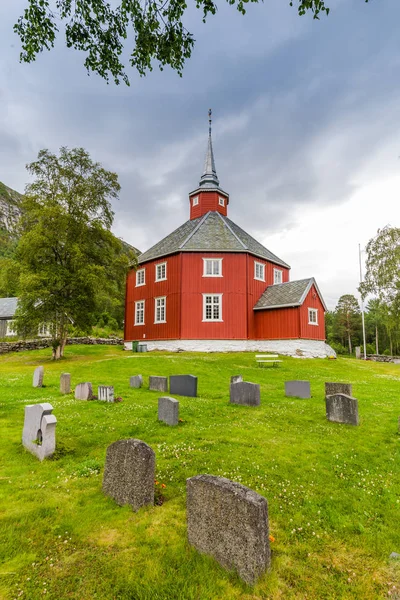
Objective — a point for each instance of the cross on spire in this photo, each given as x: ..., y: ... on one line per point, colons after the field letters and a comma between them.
x: 209, y: 179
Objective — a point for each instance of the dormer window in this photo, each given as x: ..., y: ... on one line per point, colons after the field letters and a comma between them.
x: 221, y: 201
x: 195, y: 201
x: 277, y: 276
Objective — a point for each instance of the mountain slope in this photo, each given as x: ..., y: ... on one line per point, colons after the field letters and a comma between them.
x: 10, y: 201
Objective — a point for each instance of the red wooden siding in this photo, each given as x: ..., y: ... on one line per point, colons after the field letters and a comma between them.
x: 276, y: 324
x: 208, y: 201
x: 312, y: 332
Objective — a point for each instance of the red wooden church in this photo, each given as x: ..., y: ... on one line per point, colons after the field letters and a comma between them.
x: 209, y: 285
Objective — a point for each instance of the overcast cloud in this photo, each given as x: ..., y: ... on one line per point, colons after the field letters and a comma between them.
x: 306, y: 128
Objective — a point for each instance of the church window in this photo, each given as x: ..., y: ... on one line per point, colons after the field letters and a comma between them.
x: 139, y: 312
x: 313, y: 316
x: 140, y: 277
x: 195, y: 201
x: 212, y: 267
x: 159, y: 310
x: 212, y: 307
x: 161, y: 271
x: 221, y: 201
x: 277, y: 276
x: 259, y: 271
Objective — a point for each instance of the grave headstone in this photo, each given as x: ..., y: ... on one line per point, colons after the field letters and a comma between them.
x: 338, y: 388
x: 168, y: 410
x: 341, y: 408
x: 158, y: 384
x: 358, y: 352
x: 244, y: 392
x: 136, y: 381
x: 298, y: 389
x: 105, y: 393
x: 38, y: 377
x: 183, y: 385
x: 236, y: 379
x: 230, y: 522
x: 39, y: 432
x: 129, y: 473
x: 84, y: 391
x: 65, y: 383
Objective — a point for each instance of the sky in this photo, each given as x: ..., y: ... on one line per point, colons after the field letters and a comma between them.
x: 306, y: 128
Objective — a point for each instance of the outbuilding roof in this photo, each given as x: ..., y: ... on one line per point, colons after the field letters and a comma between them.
x: 284, y: 295
x: 8, y: 306
x: 212, y: 232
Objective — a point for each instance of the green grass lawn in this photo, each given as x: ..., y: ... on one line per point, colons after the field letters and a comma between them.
x: 333, y: 490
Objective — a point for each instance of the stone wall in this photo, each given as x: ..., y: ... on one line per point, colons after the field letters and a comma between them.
x: 382, y: 358
x: 20, y: 346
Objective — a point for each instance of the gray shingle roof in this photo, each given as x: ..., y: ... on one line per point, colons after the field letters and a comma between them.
x: 212, y: 232
x: 8, y: 306
x: 292, y: 293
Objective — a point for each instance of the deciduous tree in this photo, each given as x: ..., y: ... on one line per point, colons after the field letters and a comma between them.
x: 348, y: 318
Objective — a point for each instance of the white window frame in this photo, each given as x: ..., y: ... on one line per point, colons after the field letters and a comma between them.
x: 218, y: 261
x: 221, y: 201
x: 43, y: 330
x: 262, y: 266
x: 312, y: 311
x: 195, y: 201
x: 212, y: 320
x: 163, y: 307
x: 11, y: 328
x: 276, y: 271
x: 141, y: 309
x: 140, y: 272
x: 163, y: 264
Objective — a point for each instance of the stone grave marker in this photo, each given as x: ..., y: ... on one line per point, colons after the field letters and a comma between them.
x: 158, y: 384
x: 338, y: 388
x: 230, y: 522
x: 341, y: 408
x: 136, y: 381
x: 358, y: 352
x: 129, y: 473
x: 168, y: 410
x: 38, y: 377
x: 236, y: 379
x: 65, y: 383
x: 183, y: 385
x: 84, y: 391
x: 244, y: 392
x: 105, y: 393
x: 39, y: 432
x: 298, y: 389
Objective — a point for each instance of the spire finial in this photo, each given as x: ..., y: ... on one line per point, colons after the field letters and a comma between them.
x: 209, y: 178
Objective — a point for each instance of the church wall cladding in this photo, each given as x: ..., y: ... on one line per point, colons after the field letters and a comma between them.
x: 170, y: 288
x: 209, y: 201
x: 232, y: 286
x: 256, y: 288
x: 277, y: 324
x: 312, y: 332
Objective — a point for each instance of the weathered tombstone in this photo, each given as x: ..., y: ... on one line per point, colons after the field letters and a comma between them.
x: 105, y: 393
x: 338, y: 388
x: 136, y: 381
x: 341, y: 408
x: 244, y: 392
x: 84, y: 391
x: 358, y: 352
x: 183, y: 385
x: 39, y: 432
x: 158, y: 384
x: 38, y: 377
x: 236, y: 379
x: 129, y: 473
x: 65, y: 383
x: 298, y: 389
x: 230, y: 522
x: 168, y: 410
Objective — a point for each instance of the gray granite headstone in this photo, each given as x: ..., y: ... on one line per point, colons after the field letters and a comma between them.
x: 245, y: 393
x: 358, y: 352
x: 298, y: 389
x: 84, y: 391
x: 129, y: 473
x: 342, y: 409
x: 105, y: 393
x: 38, y: 377
x: 158, y: 384
x: 65, y: 383
x: 136, y: 381
x: 168, y: 410
x: 236, y: 379
x: 230, y: 522
x: 338, y: 388
x: 183, y: 385
x: 39, y: 432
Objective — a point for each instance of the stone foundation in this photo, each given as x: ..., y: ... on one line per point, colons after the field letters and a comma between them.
x: 297, y: 348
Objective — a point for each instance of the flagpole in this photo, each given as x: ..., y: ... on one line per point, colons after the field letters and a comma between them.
x: 362, y: 305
